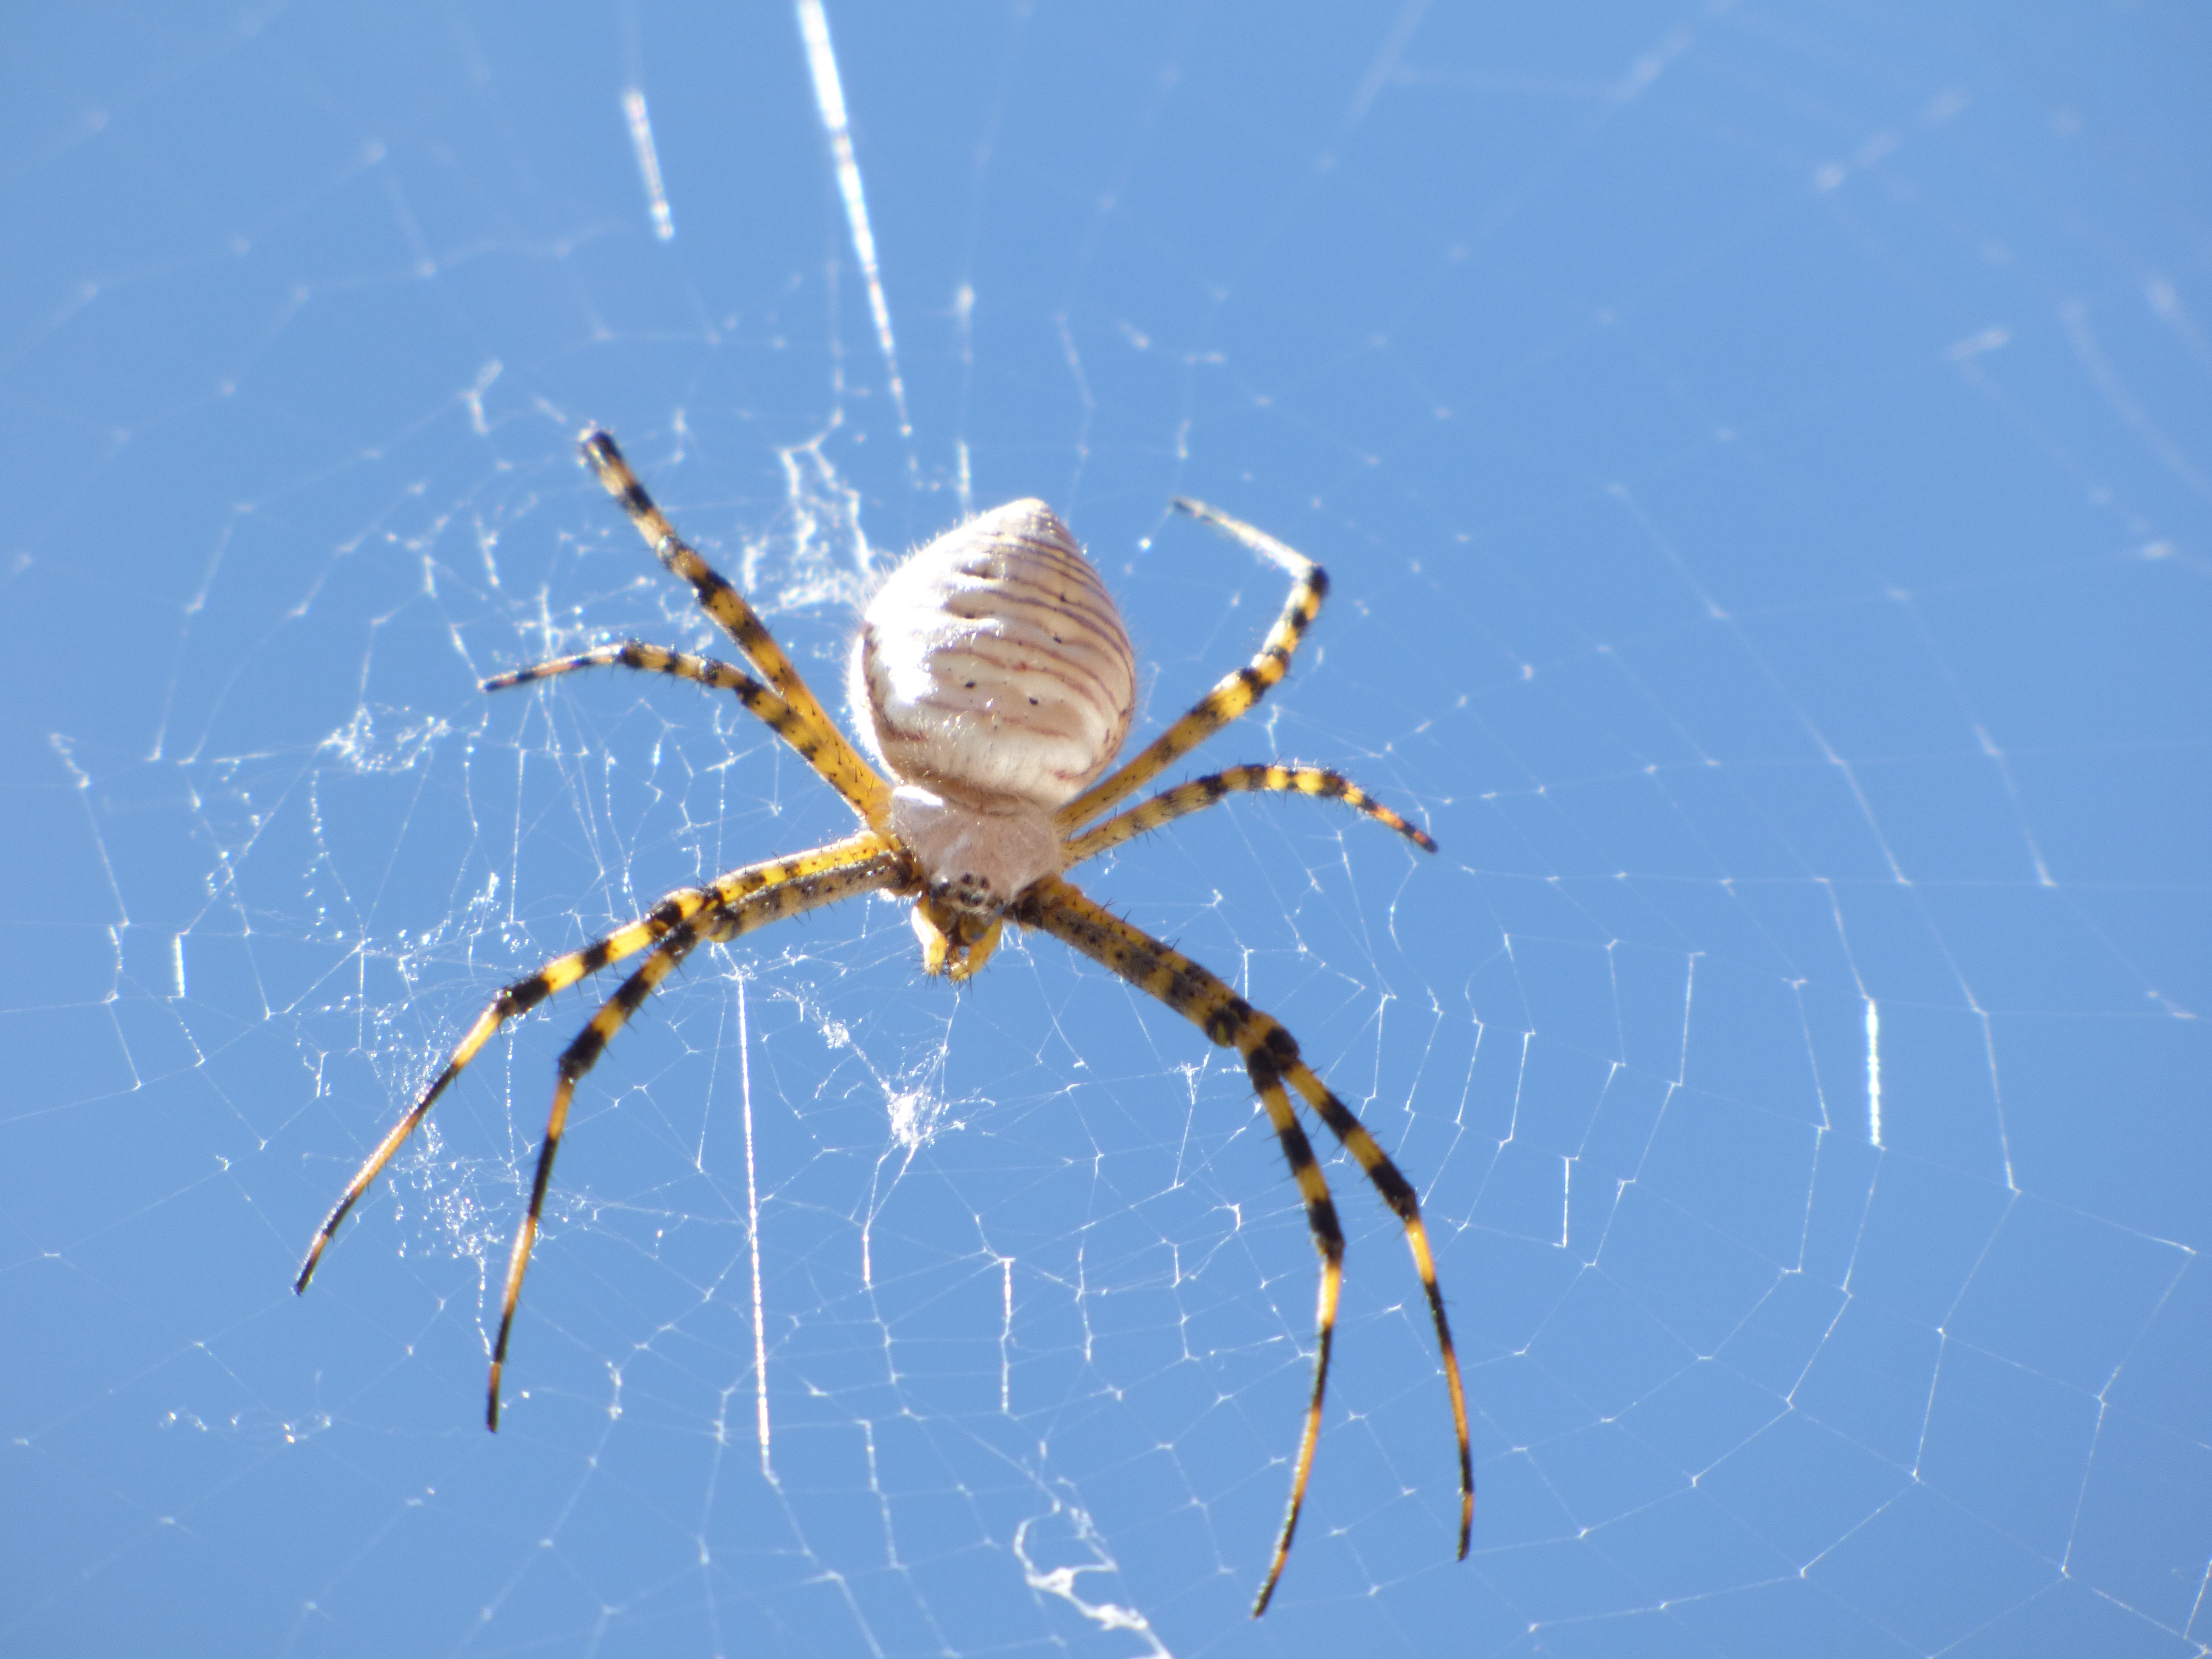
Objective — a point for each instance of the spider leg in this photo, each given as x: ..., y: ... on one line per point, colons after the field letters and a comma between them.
x: 1234, y: 694
x: 1201, y: 793
x: 834, y: 756
x: 864, y: 852
x: 710, y: 671
x: 757, y: 699
x: 742, y: 913
x: 1270, y: 1058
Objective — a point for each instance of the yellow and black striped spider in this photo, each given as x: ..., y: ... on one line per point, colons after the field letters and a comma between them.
x: 993, y: 681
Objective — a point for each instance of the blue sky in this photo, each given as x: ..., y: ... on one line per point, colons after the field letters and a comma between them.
x: 1760, y: 453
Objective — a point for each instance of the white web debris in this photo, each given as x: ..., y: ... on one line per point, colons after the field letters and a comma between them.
x: 1874, y: 1072
x: 914, y: 1114
x: 1065, y: 1581
x: 753, y: 1235
x: 648, y: 162
x: 830, y: 98
x: 824, y: 562
x: 399, y: 743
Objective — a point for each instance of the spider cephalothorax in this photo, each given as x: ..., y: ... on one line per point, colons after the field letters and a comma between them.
x: 993, y: 680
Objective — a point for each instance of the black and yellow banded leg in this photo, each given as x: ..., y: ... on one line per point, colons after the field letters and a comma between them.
x: 1201, y: 793
x: 741, y: 913
x: 710, y: 671
x: 838, y: 761
x: 1328, y: 1239
x: 576, y: 1059
x: 1271, y: 1059
x: 1398, y: 1193
x: 758, y: 699
x: 864, y: 852
x: 1235, y: 694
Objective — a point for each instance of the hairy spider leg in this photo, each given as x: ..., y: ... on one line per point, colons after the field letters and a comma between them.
x: 833, y: 755
x: 1270, y: 1058
x: 1201, y: 793
x: 674, y: 911
x: 795, y: 893
x: 710, y: 671
x: 1233, y: 695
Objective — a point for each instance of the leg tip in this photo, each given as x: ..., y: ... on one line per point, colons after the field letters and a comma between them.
x: 596, y: 444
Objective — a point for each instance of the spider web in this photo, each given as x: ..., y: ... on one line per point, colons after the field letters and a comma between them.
x: 1760, y: 456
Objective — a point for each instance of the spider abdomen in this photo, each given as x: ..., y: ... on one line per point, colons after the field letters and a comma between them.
x: 994, y: 663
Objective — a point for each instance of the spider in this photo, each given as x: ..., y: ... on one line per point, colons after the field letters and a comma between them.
x: 994, y: 683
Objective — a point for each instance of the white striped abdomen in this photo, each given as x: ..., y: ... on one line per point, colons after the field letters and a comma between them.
x: 994, y: 664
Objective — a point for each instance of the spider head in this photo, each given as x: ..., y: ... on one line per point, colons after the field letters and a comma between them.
x: 955, y: 940
x: 974, y: 857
